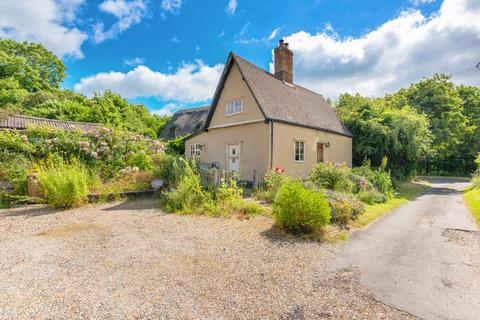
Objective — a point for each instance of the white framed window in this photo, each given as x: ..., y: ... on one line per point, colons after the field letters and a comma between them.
x: 195, y: 150
x: 299, y: 152
x: 234, y: 107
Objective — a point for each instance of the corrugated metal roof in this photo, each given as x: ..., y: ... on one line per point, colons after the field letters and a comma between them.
x: 20, y: 122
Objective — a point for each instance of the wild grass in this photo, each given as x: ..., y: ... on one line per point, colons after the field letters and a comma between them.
x: 69, y: 229
x: 472, y: 199
x: 406, y: 191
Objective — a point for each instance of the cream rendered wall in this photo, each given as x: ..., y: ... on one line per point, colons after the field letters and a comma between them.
x: 254, y: 148
x: 284, y: 135
x: 223, y: 130
x: 236, y: 88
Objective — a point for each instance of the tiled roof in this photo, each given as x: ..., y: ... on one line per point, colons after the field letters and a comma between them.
x: 186, y: 121
x: 285, y: 102
x: 19, y: 122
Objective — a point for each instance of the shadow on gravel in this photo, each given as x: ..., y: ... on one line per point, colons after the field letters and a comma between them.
x: 29, y: 212
x: 278, y: 236
x: 137, y: 204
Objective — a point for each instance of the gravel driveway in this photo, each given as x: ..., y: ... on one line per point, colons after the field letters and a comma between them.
x: 130, y: 260
x: 424, y: 257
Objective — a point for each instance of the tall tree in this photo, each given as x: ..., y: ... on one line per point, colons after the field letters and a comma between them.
x: 31, y: 65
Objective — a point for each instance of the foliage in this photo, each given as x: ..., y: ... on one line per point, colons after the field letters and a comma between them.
x: 371, y: 196
x: 344, y: 207
x: 472, y: 198
x: 332, y: 176
x: 176, y: 146
x: 30, y: 65
x: 65, y: 185
x: 105, y: 150
x: 128, y: 179
x: 228, y: 200
x: 14, y: 168
x: 170, y: 168
x: 300, y: 210
x: 188, y: 196
x: 273, y: 181
x: 380, y: 178
x: 30, y: 78
x: 476, y: 175
x: 382, y: 129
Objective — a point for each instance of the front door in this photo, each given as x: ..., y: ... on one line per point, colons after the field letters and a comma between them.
x: 320, y: 152
x: 233, y: 157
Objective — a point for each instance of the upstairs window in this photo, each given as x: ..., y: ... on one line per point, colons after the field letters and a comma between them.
x: 234, y: 107
x: 299, y: 154
x: 195, y: 150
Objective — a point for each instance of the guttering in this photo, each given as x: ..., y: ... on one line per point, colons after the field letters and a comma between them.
x: 310, y: 127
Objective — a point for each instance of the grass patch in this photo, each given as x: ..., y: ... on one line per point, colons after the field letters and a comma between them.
x: 69, y: 229
x: 472, y: 198
x: 406, y: 191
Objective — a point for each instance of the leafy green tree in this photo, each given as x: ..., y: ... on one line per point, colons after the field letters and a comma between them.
x: 382, y: 130
x: 31, y: 65
x: 471, y: 109
x: 438, y: 98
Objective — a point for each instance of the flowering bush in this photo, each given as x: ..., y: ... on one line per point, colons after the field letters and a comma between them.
x: 332, y: 176
x: 273, y: 181
x: 104, y: 151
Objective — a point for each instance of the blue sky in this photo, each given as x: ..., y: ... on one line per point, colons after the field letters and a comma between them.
x: 168, y: 54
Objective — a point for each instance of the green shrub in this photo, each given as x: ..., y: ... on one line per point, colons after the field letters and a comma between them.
x: 300, y: 210
x: 380, y: 178
x: 14, y: 168
x: 372, y: 197
x: 332, y: 176
x: 126, y: 180
x: 229, y: 200
x: 344, y: 207
x: 169, y: 168
x: 189, y: 196
x: 476, y: 175
x: 65, y: 185
x: 360, y: 183
x: 273, y: 181
x: 141, y: 160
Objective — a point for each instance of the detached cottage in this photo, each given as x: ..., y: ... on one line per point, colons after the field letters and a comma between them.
x: 258, y: 120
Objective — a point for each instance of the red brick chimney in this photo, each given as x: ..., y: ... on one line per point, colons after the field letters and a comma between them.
x: 283, y: 62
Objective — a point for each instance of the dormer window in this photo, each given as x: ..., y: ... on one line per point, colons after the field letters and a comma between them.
x: 172, y: 133
x: 234, y: 107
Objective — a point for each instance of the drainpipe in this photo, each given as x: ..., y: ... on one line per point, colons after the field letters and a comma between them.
x: 270, y: 140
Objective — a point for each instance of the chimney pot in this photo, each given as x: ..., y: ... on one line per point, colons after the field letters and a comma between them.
x: 283, y: 57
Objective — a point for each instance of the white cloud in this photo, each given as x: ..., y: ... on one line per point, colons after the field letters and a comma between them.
x: 175, y: 39
x: 133, y: 62
x: 128, y: 13
x: 172, y: 6
x: 397, y: 53
x: 274, y: 33
x: 420, y: 2
x: 43, y: 21
x: 191, y: 82
x: 221, y: 34
x: 232, y: 6
x: 265, y: 39
x: 166, y: 110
